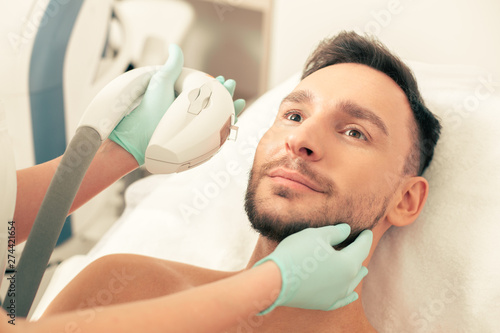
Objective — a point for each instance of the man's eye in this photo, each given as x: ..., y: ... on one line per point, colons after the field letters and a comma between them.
x: 294, y: 117
x: 355, y: 134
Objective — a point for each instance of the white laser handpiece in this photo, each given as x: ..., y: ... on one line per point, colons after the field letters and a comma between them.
x: 193, y: 128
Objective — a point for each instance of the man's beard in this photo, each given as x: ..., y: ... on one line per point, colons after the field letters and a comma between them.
x: 360, y: 213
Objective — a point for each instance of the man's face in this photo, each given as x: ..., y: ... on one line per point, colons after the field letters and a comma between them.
x: 334, y: 154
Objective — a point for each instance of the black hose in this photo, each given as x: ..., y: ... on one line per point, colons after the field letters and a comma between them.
x: 50, y: 220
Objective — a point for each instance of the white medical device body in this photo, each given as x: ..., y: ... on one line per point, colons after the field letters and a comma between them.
x: 194, y: 127
x: 192, y: 130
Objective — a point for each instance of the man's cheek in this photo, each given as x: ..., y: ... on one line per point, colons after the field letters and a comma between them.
x: 367, y: 177
x: 271, y: 146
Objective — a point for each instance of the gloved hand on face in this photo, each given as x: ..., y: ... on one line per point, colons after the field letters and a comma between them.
x: 314, y: 274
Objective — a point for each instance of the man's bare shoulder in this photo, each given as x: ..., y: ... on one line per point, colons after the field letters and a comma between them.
x: 191, y: 275
x: 171, y: 275
x: 121, y: 278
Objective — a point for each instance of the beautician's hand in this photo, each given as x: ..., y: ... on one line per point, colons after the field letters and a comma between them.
x: 135, y: 130
x: 230, y: 85
x: 316, y: 276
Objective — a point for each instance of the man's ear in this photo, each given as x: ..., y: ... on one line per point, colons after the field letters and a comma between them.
x: 410, y: 202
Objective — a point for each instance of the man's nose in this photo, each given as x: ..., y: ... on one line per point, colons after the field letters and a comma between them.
x: 305, y: 141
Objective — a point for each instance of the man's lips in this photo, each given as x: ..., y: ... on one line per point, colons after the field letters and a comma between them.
x: 294, y: 177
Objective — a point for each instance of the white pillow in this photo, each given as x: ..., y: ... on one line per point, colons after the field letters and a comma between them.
x: 441, y: 273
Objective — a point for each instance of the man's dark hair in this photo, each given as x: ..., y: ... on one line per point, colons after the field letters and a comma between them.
x: 349, y: 47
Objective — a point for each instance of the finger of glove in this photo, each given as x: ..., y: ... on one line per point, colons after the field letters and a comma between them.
x: 344, y: 301
x: 360, y: 248
x: 335, y: 234
x: 160, y: 91
x: 230, y: 85
x: 173, y: 66
x: 221, y: 79
x: 355, y: 282
x: 239, y: 105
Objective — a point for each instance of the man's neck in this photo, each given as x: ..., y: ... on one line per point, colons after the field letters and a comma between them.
x: 350, y: 318
x: 262, y: 249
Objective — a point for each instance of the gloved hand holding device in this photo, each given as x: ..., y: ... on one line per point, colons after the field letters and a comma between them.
x: 314, y: 274
x: 134, y: 131
x: 230, y: 85
x: 203, y: 111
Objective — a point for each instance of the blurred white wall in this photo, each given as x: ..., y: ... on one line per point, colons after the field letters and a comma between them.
x: 440, y: 32
x: 226, y: 40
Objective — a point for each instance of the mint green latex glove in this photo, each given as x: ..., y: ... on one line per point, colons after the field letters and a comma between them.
x: 135, y: 130
x: 316, y: 276
x: 230, y: 85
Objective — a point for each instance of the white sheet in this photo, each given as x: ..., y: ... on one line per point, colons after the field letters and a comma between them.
x: 438, y: 275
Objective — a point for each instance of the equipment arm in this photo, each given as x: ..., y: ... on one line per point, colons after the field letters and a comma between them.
x: 110, y: 164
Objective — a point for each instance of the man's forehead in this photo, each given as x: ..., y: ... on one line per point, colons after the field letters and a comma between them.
x: 353, y: 74
x: 350, y: 68
x: 351, y: 82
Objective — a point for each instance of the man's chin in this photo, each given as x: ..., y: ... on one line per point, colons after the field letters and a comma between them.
x: 266, y: 218
x: 276, y: 231
x: 273, y: 226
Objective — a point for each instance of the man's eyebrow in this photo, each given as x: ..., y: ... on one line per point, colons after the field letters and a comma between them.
x: 349, y: 107
x: 299, y: 97
x: 357, y: 111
